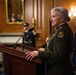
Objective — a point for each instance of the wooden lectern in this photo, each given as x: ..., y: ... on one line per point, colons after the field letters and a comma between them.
x: 15, y: 63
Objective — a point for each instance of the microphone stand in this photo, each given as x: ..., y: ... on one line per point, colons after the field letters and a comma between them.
x: 17, y: 42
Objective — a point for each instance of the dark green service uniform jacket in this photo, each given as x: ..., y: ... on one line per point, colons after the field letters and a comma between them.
x: 58, y: 52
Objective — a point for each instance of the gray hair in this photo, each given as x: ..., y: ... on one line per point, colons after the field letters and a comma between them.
x: 62, y: 12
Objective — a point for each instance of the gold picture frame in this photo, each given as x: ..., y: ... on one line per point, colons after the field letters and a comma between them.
x: 14, y: 11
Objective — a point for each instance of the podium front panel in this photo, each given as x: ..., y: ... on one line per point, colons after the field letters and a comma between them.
x: 17, y: 66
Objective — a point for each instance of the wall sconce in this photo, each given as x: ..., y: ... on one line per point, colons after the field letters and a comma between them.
x: 72, y: 12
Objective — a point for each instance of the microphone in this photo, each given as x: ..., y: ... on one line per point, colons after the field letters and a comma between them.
x: 31, y: 29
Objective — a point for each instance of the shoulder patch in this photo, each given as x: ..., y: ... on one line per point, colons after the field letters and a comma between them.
x: 61, y: 34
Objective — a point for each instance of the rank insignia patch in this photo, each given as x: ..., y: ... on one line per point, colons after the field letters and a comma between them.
x: 61, y: 34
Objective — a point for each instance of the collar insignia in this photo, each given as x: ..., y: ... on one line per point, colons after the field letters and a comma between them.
x: 61, y: 34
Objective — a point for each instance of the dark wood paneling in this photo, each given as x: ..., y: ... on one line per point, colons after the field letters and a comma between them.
x: 2, y: 15
x: 40, y: 11
x: 28, y: 11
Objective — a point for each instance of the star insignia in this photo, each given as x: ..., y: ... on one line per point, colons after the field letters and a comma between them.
x: 61, y: 34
